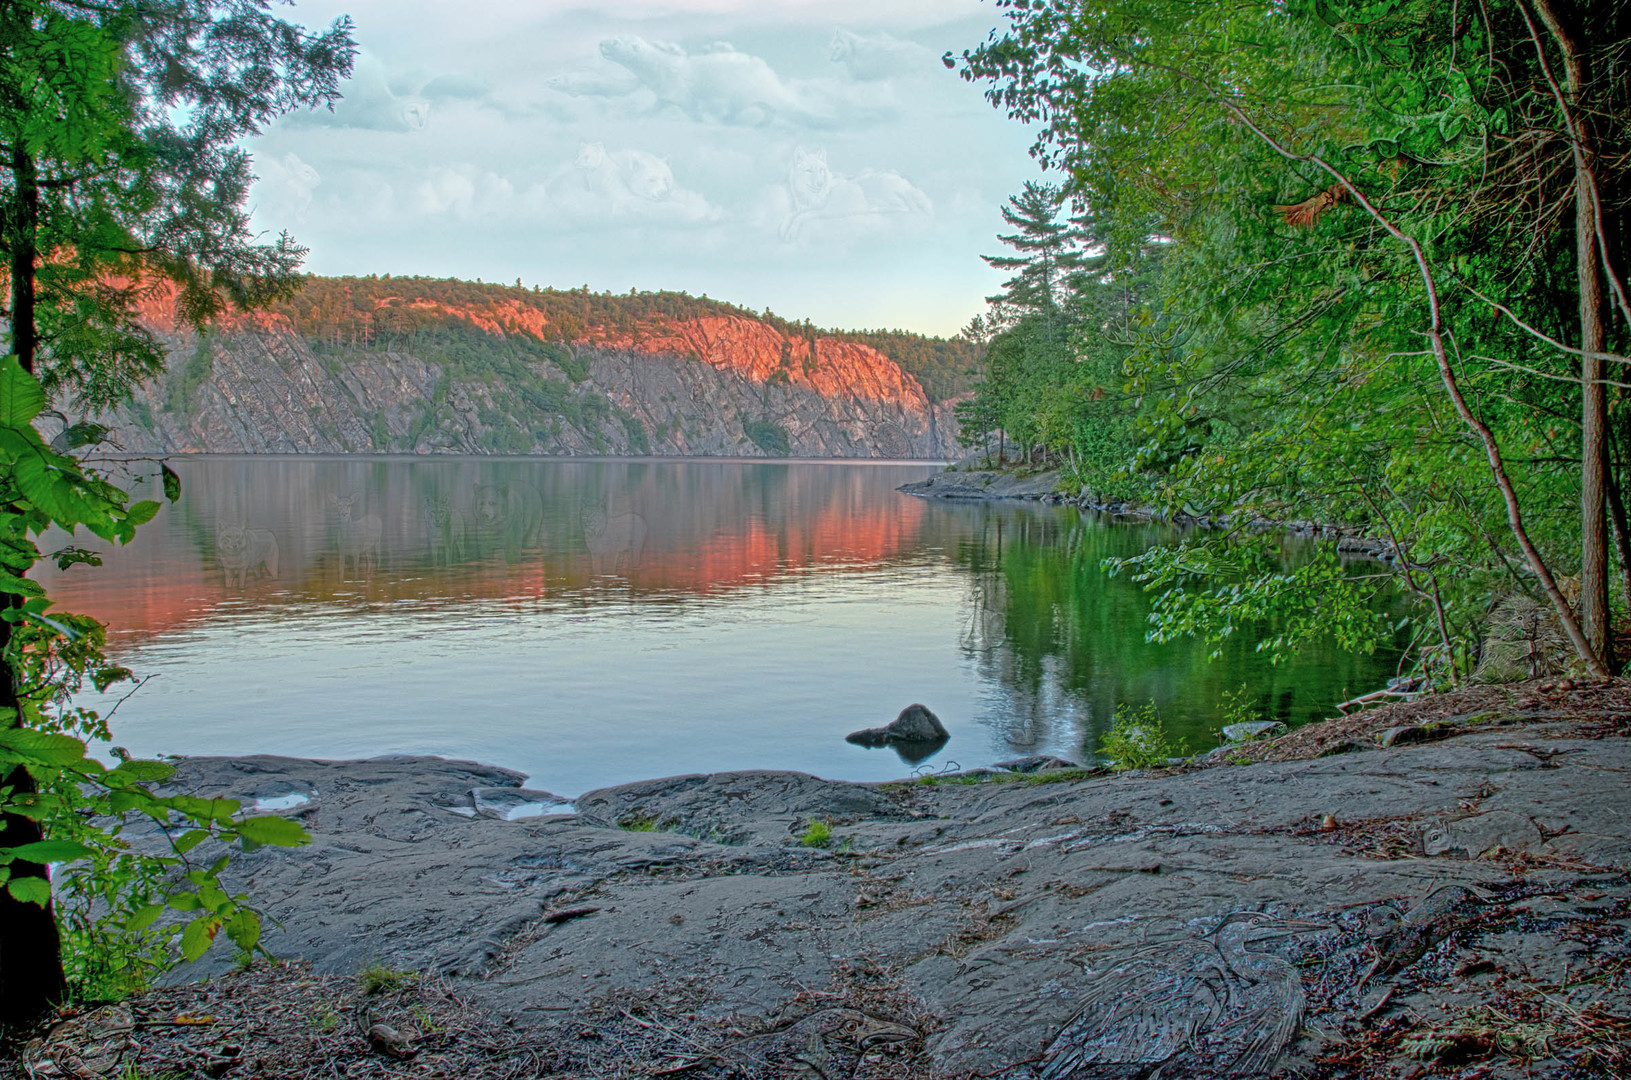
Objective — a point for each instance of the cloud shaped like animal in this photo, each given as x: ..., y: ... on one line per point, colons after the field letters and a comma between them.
x: 722, y: 85
x: 874, y: 57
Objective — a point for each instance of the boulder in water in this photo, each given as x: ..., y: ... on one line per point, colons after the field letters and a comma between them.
x: 915, y: 724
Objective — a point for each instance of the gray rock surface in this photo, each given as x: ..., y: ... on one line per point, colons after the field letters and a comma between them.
x: 1248, y: 730
x: 985, y: 484
x: 916, y: 726
x: 268, y: 391
x: 1035, y: 763
x: 994, y: 903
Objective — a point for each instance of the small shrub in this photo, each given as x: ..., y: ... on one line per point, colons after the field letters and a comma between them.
x: 1137, y: 740
x: 325, y: 1019
x: 817, y: 834
x: 379, y: 979
x: 638, y: 821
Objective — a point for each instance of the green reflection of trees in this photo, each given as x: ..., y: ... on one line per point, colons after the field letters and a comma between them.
x: 1066, y: 643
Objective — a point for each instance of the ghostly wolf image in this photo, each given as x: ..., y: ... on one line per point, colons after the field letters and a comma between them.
x: 245, y: 554
x: 817, y: 193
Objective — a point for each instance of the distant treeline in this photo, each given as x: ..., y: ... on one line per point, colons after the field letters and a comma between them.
x: 356, y: 312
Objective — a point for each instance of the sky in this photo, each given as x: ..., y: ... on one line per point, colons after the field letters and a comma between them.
x: 815, y: 159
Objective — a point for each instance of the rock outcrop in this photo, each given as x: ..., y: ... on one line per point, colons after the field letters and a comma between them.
x: 1461, y: 873
x: 499, y: 377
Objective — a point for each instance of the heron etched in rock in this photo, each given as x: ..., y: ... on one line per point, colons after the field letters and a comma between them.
x: 1210, y: 1006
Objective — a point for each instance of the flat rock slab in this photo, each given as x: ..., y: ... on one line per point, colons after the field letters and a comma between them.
x: 993, y: 903
x: 985, y: 484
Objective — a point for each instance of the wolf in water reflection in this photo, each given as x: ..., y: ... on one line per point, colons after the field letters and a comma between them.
x: 498, y: 519
x: 243, y: 553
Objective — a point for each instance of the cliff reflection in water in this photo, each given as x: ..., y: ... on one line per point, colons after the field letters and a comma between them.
x: 270, y: 531
x: 598, y: 621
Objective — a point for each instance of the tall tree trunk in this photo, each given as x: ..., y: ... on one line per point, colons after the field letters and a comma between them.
x: 31, y: 977
x: 1594, y: 610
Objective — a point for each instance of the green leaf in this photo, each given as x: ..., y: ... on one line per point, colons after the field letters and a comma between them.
x: 172, y: 483
x: 144, y: 917
x: 244, y: 928
x: 196, y: 938
x: 30, y: 890
x: 274, y: 831
x: 49, y: 851
x: 139, y: 771
x: 190, y: 839
x: 21, y: 397
x: 141, y: 513
x: 40, y: 747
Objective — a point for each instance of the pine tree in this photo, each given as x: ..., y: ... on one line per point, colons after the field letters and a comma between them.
x: 1048, y: 255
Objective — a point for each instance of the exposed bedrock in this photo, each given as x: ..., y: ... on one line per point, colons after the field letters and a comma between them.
x: 1278, y: 902
x: 728, y: 386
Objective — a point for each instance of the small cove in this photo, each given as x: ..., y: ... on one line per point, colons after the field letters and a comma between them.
x: 596, y: 622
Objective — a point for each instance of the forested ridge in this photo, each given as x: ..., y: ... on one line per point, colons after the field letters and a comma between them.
x: 375, y: 311
x: 1359, y: 262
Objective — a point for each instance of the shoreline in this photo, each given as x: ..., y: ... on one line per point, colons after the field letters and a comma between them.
x: 988, y: 485
x: 970, y: 916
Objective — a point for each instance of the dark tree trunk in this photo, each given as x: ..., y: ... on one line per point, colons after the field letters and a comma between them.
x: 1594, y: 610
x: 31, y: 978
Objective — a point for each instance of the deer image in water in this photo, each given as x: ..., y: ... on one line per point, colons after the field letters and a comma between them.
x: 244, y: 554
x: 445, y: 527
x: 358, y: 536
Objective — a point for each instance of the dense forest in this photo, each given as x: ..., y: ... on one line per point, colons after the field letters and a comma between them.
x: 1358, y: 262
x: 374, y: 311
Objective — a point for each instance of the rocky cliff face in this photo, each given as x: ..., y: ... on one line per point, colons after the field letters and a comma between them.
x: 499, y: 378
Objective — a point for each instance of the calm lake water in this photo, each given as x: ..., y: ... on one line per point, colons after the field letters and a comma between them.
x: 594, y: 622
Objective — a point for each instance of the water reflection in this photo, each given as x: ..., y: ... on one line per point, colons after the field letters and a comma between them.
x: 593, y: 622
x: 1067, y: 644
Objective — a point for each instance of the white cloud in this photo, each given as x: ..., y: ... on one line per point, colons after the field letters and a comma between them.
x: 284, y: 186
x: 722, y: 85
x: 872, y: 57
x: 602, y: 185
x: 531, y: 140
x: 370, y: 104
x: 815, y: 198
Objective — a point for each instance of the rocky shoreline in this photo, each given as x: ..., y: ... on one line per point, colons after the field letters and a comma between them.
x: 964, y: 481
x: 1461, y: 897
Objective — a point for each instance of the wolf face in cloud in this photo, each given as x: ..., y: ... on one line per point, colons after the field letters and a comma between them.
x: 818, y: 194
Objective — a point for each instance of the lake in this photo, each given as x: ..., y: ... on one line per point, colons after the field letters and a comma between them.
x: 590, y: 622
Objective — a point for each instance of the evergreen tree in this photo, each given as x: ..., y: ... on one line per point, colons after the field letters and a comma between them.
x: 1047, y: 255
x: 119, y: 167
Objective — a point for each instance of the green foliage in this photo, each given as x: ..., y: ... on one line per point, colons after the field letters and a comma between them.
x: 768, y: 436
x: 1246, y: 338
x: 379, y: 979
x: 1210, y: 590
x: 1138, y: 740
x: 816, y: 834
x: 1238, y: 708
x: 638, y: 821
x: 122, y: 170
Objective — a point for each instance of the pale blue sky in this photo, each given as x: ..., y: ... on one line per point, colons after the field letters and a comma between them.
x: 813, y: 158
